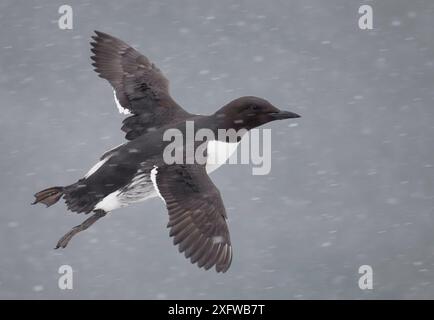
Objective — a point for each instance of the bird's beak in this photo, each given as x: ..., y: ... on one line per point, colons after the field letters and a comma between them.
x: 284, y: 115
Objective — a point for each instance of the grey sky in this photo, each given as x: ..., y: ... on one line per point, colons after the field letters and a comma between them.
x: 351, y: 182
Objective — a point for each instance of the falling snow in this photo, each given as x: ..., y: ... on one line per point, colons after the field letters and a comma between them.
x: 351, y: 181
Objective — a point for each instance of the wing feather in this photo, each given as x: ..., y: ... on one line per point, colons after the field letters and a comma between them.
x: 140, y: 87
x: 197, y: 217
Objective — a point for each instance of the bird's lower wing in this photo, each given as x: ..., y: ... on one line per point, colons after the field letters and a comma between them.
x: 197, y: 216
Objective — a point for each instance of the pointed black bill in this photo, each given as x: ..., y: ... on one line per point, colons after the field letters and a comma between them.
x: 284, y: 115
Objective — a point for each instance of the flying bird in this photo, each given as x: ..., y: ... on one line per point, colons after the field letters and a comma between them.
x: 136, y: 171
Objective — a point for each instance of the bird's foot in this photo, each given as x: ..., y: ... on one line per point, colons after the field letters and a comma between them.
x: 63, y: 242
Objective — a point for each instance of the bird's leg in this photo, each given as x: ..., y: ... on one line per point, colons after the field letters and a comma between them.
x: 63, y: 242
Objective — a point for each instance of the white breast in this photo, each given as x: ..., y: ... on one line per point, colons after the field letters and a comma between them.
x: 139, y: 189
x: 110, y: 202
x: 218, y: 153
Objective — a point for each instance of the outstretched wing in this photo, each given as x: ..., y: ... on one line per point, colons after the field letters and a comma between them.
x: 197, y: 216
x: 139, y: 86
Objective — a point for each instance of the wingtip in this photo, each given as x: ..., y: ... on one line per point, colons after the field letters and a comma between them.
x: 100, y: 34
x: 221, y: 269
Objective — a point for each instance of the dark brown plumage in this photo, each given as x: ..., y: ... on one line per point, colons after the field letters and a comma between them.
x: 197, y: 216
x: 140, y: 86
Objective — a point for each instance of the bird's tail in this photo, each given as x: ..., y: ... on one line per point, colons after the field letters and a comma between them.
x: 49, y: 196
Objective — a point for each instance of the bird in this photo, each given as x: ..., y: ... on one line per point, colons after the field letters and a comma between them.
x: 136, y: 171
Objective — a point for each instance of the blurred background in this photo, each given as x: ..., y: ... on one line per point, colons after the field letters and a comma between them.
x: 351, y: 182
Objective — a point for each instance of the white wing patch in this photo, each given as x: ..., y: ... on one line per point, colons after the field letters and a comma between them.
x: 96, y: 167
x: 121, y: 109
x: 154, y: 172
x: 110, y: 152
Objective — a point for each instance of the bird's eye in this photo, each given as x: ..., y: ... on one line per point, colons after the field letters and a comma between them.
x: 254, y: 107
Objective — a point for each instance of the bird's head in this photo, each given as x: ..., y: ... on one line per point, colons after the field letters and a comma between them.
x: 248, y: 113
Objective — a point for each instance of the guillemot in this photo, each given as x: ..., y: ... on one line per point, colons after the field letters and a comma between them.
x: 136, y: 170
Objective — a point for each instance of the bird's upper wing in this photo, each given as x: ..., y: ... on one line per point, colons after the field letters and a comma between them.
x: 197, y: 216
x: 139, y: 86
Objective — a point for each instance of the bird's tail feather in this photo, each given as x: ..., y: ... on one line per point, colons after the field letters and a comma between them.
x: 49, y: 196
